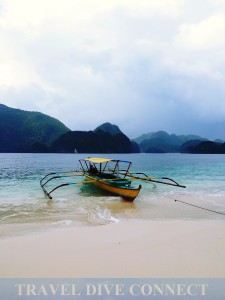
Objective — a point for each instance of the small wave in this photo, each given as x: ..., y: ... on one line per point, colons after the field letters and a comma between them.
x: 64, y: 222
x: 101, y: 215
x: 96, y: 213
x: 130, y: 212
x: 7, y: 217
x: 114, y: 220
x: 68, y: 222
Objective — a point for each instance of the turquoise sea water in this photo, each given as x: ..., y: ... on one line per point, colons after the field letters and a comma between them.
x: 24, y: 208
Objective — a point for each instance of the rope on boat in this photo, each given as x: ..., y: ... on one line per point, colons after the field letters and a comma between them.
x: 200, y: 207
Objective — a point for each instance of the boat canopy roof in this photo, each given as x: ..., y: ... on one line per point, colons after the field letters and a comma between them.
x: 98, y: 160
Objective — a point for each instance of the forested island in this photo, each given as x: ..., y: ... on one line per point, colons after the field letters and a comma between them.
x: 34, y: 132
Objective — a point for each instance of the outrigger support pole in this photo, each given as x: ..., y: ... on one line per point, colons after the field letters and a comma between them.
x: 58, y: 175
x: 64, y: 184
x: 59, y: 186
x: 173, y: 183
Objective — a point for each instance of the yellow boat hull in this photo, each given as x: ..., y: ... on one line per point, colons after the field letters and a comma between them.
x: 126, y: 192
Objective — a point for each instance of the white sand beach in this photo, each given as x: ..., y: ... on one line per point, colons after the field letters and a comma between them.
x: 147, y: 249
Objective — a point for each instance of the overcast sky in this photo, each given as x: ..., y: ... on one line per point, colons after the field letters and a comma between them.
x: 145, y: 65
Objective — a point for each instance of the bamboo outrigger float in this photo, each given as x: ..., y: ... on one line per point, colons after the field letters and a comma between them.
x: 107, y: 175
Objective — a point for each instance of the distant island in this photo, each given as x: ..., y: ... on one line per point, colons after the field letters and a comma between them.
x: 26, y: 131
x: 162, y: 142
x: 33, y: 132
x: 97, y: 141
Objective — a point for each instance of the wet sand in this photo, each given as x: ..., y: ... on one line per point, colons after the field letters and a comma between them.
x: 129, y: 249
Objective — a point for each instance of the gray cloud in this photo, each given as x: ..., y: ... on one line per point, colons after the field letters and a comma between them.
x: 145, y: 66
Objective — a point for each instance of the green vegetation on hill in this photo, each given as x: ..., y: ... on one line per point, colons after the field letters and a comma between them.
x: 162, y: 142
x: 110, y: 128
x: 92, y: 142
x: 205, y: 147
x: 25, y: 131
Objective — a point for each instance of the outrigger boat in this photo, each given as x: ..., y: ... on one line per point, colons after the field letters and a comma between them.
x: 106, y: 174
